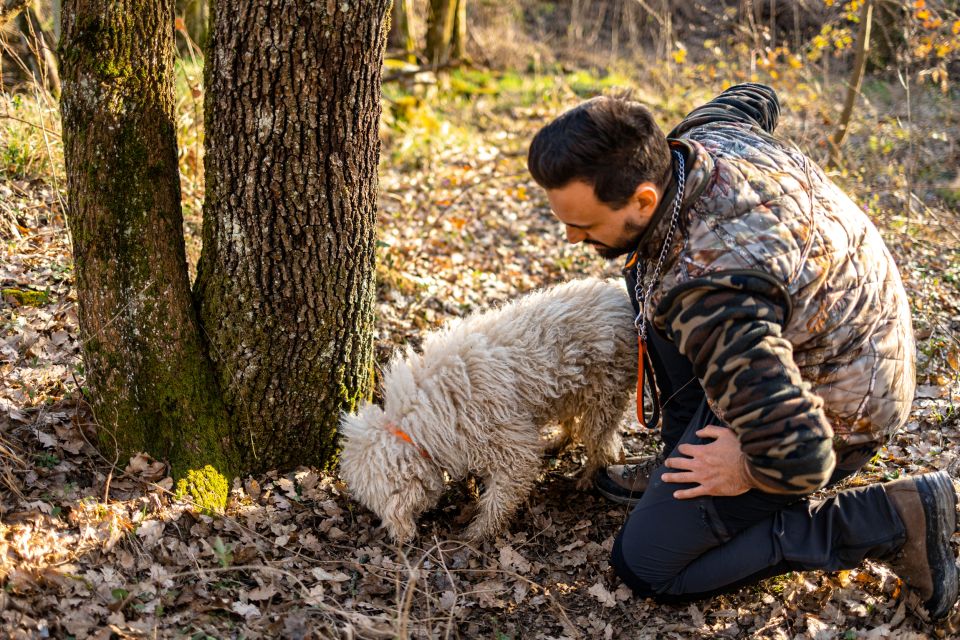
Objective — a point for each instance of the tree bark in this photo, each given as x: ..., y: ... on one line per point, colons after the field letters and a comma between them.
x: 285, y: 280
x: 151, y: 384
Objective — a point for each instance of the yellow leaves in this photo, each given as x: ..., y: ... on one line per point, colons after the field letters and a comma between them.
x: 680, y: 55
x: 919, y: 4
x: 956, y: 28
x: 843, y: 40
x: 816, y: 49
x: 923, y: 49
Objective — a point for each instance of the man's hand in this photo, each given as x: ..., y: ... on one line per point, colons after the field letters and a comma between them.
x: 718, y: 468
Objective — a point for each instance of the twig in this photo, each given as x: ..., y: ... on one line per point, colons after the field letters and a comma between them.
x: 53, y: 173
x: 7, y: 116
x: 653, y: 13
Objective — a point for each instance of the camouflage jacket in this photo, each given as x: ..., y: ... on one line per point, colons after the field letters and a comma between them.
x: 780, y: 291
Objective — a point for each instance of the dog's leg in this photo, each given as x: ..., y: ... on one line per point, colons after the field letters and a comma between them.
x: 504, y: 490
x: 599, y: 432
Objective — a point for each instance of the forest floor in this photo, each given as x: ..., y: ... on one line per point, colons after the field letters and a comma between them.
x: 89, y: 549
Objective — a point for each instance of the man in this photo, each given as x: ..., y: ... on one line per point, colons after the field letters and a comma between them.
x: 779, y: 335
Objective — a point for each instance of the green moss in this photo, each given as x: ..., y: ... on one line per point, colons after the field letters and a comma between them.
x: 26, y: 297
x: 207, y: 487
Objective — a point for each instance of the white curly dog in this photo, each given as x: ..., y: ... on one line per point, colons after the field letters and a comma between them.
x: 474, y: 401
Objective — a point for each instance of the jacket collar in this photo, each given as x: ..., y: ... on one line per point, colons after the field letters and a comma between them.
x: 699, y: 166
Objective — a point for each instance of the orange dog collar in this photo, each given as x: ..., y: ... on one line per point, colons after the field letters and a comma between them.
x: 403, y: 435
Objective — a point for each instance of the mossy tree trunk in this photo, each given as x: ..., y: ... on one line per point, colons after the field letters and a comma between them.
x: 152, y: 386
x: 285, y: 280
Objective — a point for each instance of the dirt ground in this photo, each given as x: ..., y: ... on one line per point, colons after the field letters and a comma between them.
x: 89, y: 549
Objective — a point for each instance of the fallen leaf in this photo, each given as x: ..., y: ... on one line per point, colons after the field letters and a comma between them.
x: 603, y: 595
x: 246, y: 610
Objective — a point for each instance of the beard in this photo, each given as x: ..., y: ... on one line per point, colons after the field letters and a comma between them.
x: 627, y: 243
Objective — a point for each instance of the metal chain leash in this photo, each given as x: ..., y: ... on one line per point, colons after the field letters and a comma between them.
x: 641, y: 320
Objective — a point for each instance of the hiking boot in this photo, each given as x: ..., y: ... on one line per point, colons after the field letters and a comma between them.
x: 625, y: 483
x: 927, y: 506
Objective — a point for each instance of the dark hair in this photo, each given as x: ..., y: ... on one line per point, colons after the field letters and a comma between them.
x: 609, y: 142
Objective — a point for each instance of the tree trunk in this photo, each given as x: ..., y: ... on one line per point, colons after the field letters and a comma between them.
x: 458, y: 44
x: 152, y: 387
x: 401, y: 36
x: 285, y: 280
x: 440, y: 31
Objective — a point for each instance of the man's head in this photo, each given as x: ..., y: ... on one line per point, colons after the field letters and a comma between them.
x: 604, y: 165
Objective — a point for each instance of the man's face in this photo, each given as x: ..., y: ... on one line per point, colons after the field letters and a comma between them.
x: 612, y: 232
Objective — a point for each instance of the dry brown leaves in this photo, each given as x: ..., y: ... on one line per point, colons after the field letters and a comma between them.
x: 89, y: 551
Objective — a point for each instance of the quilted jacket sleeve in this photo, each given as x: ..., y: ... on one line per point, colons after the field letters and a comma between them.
x: 752, y: 104
x: 729, y: 325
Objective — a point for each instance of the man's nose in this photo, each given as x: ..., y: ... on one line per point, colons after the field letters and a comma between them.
x: 575, y: 235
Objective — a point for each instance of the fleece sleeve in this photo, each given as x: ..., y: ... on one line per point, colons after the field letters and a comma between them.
x: 750, y: 104
x: 730, y: 327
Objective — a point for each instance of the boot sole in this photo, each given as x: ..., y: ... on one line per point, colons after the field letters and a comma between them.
x: 619, y: 498
x: 613, y: 492
x: 939, y: 500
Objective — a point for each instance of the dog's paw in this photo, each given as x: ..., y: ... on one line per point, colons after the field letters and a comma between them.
x: 584, y: 482
x: 400, y: 532
x: 586, y: 476
x: 478, y: 533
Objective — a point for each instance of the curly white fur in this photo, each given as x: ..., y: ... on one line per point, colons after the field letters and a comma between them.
x: 475, y: 399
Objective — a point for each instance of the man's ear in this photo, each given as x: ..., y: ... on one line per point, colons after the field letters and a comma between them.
x: 647, y: 196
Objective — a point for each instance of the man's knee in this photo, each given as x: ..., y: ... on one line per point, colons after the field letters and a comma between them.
x: 658, y: 542
x: 620, y: 559
x: 636, y: 570
x: 623, y: 568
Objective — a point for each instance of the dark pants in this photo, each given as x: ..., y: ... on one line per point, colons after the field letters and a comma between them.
x: 676, y: 550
